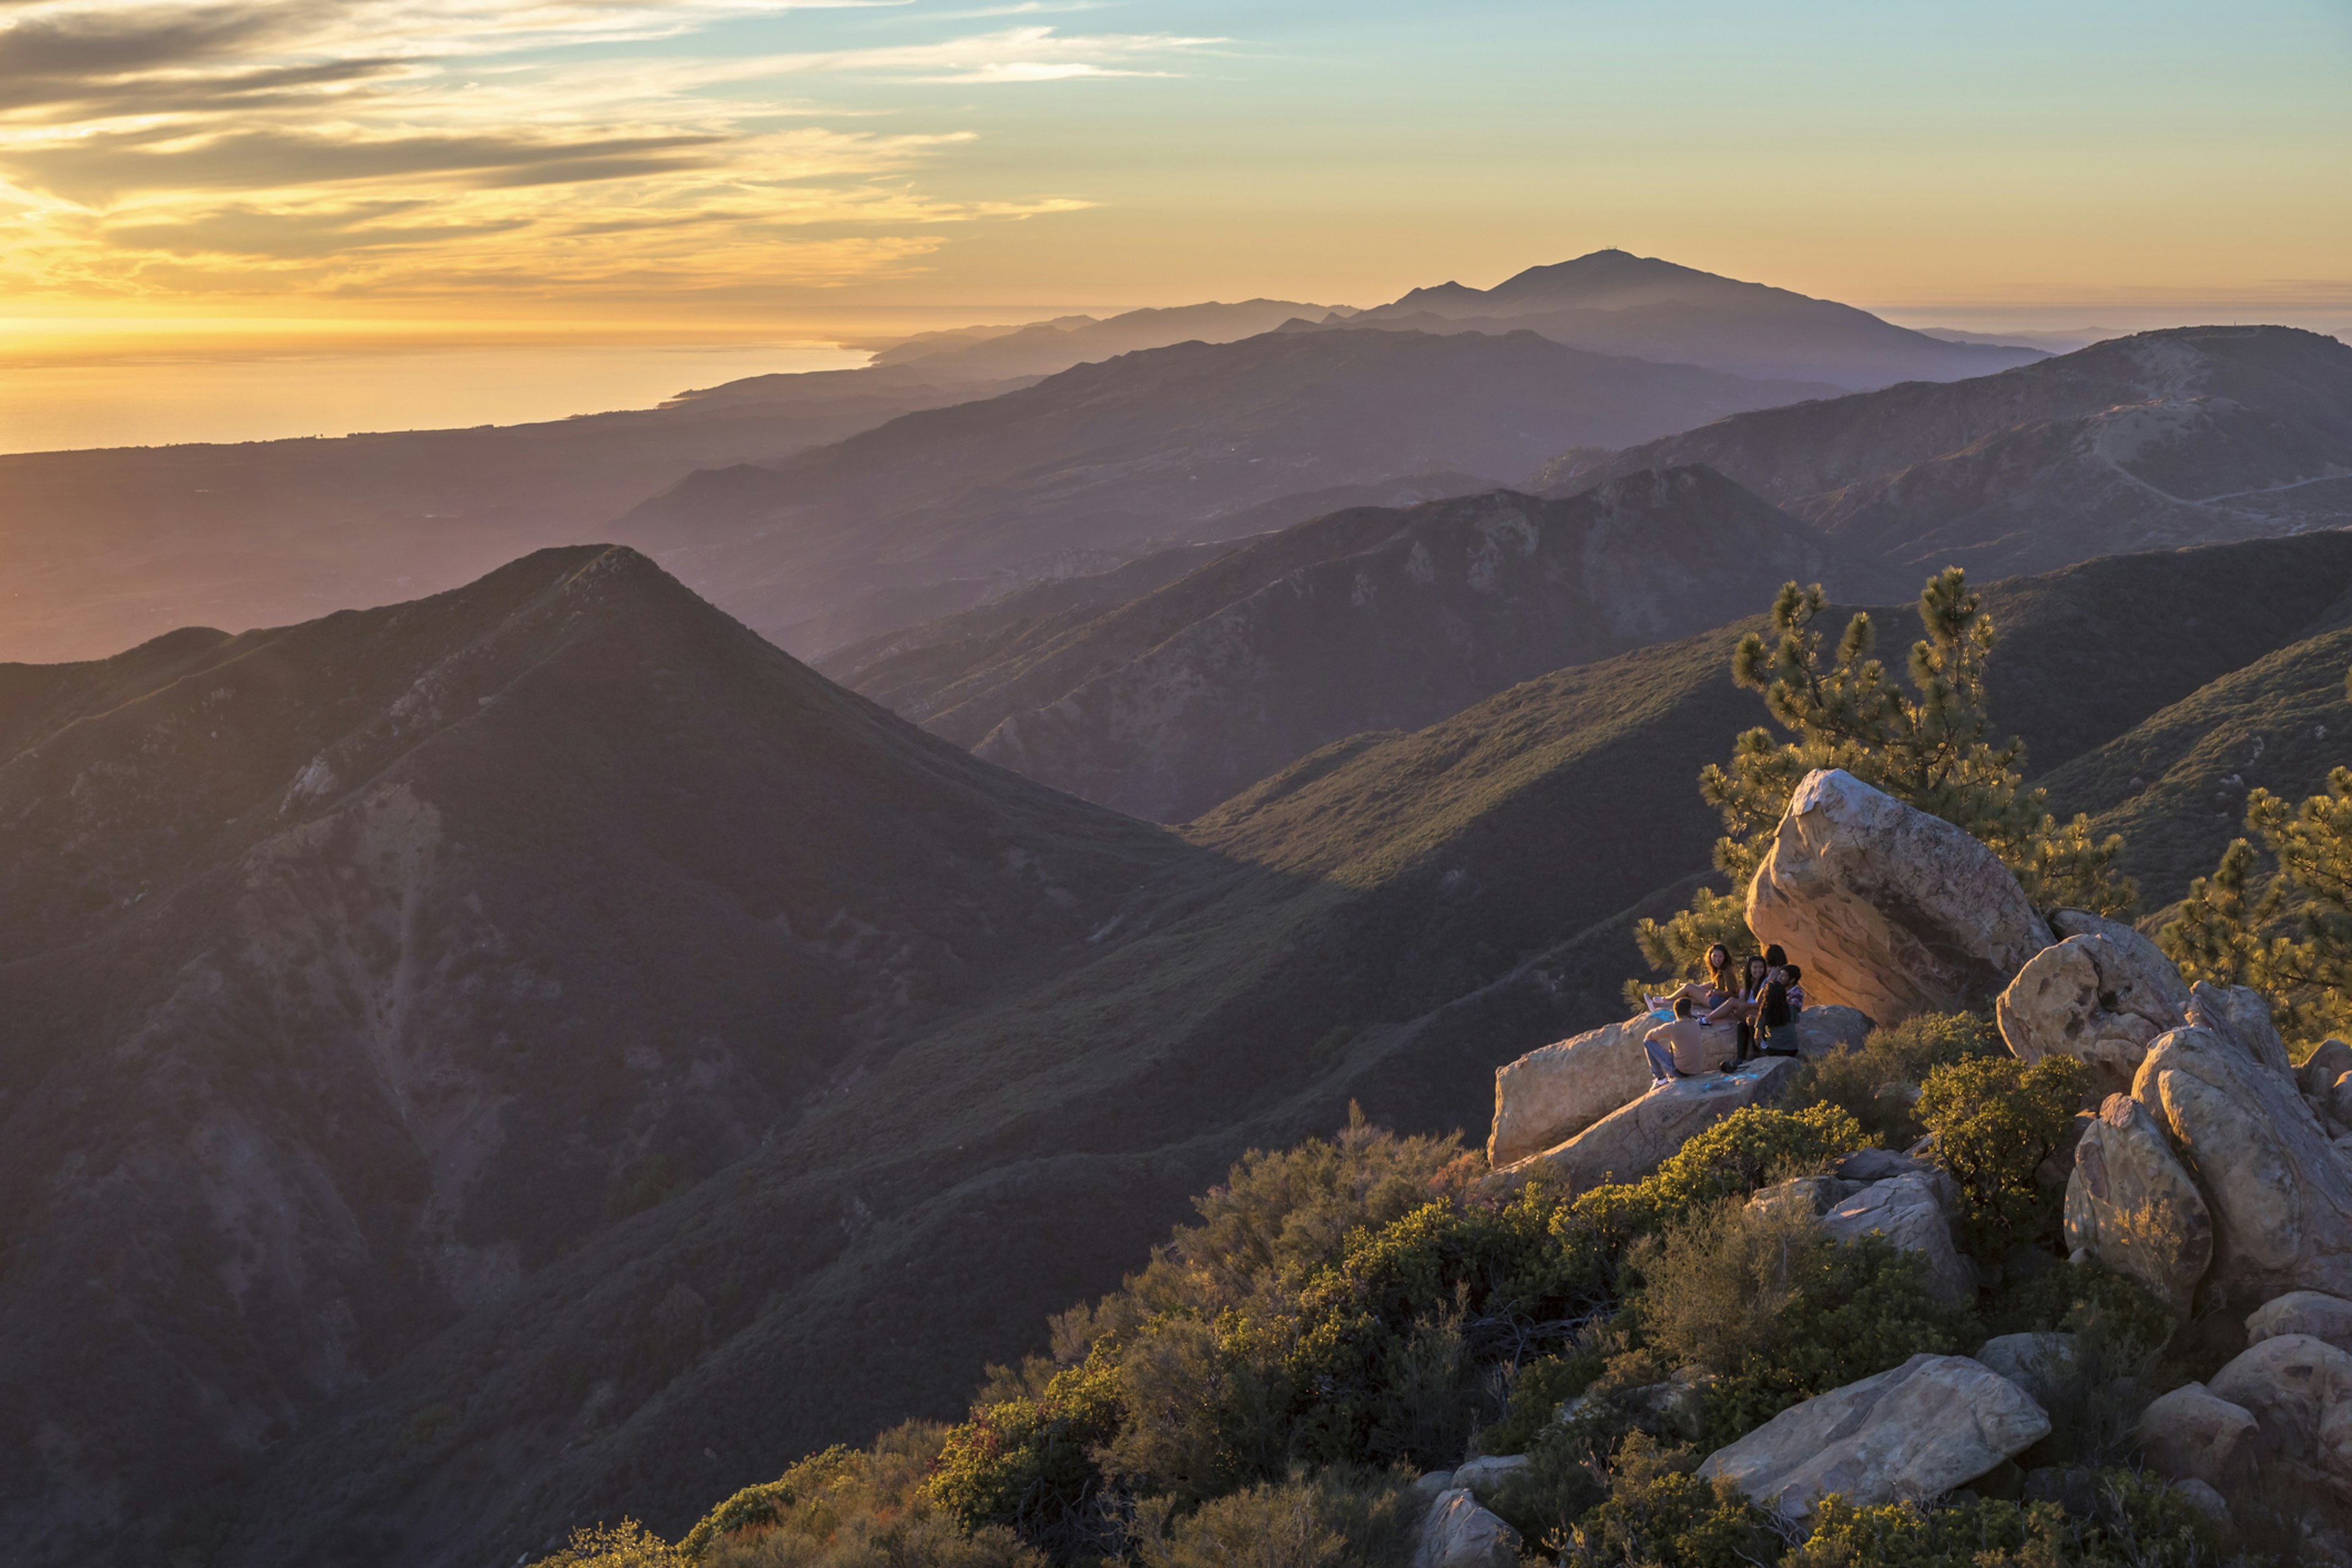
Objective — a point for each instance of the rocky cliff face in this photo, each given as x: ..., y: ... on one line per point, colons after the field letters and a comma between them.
x: 2146, y: 442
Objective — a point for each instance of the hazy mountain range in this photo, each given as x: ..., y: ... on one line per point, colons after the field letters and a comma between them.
x: 539, y: 1050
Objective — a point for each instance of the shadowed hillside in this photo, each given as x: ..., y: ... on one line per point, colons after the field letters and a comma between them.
x: 1373, y: 620
x: 360, y: 970
x: 2149, y: 442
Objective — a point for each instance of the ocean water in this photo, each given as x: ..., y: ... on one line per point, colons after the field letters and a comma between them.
x: 161, y: 399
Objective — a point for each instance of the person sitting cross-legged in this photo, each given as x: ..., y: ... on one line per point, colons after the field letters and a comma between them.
x: 1685, y: 1046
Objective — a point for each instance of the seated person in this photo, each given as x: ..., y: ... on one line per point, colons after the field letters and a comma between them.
x: 1776, y: 1012
x: 1685, y: 1047
x: 1705, y: 994
x: 1741, y: 1008
x: 1796, y: 989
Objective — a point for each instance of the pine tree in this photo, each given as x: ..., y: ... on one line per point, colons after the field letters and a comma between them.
x: 2284, y: 929
x: 1928, y: 745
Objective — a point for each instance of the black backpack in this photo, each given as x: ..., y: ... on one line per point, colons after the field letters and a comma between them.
x: 1774, y: 1014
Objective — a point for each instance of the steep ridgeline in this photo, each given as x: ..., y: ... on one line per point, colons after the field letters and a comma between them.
x: 359, y: 970
x: 1617, y: 303
x: 1402, y: 914
x: 1375, y: 620
x: 1175, y: 445
x: 2162, y: 439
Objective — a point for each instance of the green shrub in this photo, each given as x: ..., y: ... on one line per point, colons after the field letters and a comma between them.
x: 1739, y: 1153
x: 1029, y: 1463
x: 628, y: 1544
x: 1659, y: 1515
x: 1565, y: 1478
x: 1977, y: 1534
x: 853, y: 1508
x: 1338, y: 1517
x: 1995, y: 1120
x: 1897, y: 1058
x: 1777, y: 1311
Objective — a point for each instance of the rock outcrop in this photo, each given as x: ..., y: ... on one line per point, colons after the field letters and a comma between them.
x: 2280, y: 1196
x: 2132, y: 1204
x: 1632, y: 1142
x: 2323, y: 1317
x: 2299, y: 1391
x: 2094, y: 999
x: 1890, y: 911
x: 1555, y: 1092
x: 1457, y: 1533
x: 1928, y: 1426
x: 1910, y: 1211
x: 2191, y: 1433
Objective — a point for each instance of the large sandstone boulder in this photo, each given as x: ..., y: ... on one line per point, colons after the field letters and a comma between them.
x: 2299, y: 1391
x: 2132, y: 1203
x: 1457, y: 1533
x: 1909, y: 1211
x: 1631, y: 1142
x: 1890, y: 911
x: 1554, y: 1093
x: 2189, y: 1433
x: 1932, y: 1424
x: 2090, y: 999
x: 2323, y: 1317
x: 2239, y: 1014
x: 2279, y: 1195
x: 2147, y: 958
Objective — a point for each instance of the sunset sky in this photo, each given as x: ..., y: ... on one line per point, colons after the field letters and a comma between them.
x: 489, y: 170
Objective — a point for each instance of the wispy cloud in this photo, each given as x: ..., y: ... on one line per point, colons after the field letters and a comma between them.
x: 355, y: 146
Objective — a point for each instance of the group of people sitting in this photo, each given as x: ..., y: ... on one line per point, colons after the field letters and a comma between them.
x: 1718, y: 1023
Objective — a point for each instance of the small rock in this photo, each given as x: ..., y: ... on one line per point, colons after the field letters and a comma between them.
x: 1457, y: 1533
x: 2042, y: 1364
x: 2323, y: 1317
x: 1928, y: 1426
x: 1813, y: 1194
x: 1429, y: 1485
x: 1485, y: 1475
x: 2147, y: 960
x: 1878, y: 1165
x: 1909, y: 1211
x: 2322, y: 1069
x: 2191, y: 1433
x: 2204, y: 1499
x: 2299, y: 1391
